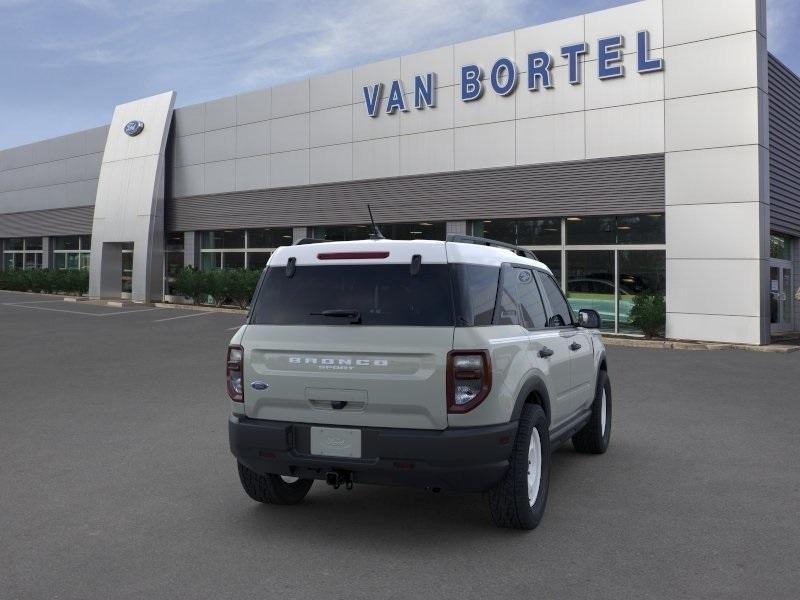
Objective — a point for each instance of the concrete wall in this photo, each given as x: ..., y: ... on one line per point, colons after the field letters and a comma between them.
x: 717, y: 174
x: 58, y: 173
x: 318, y: 130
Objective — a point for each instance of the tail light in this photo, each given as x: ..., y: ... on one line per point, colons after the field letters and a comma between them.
x: 235, y: 373
x: 469, y: 379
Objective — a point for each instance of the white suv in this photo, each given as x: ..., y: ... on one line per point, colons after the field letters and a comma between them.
x: 454, y: 365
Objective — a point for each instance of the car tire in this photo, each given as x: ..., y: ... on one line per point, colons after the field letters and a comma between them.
x: 596, y: 434
x: 518, y: 500
x: 273, y: 489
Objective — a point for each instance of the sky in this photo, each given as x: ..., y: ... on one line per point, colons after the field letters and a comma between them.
x: 65, y: 64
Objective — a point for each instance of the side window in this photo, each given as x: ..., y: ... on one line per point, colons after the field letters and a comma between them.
x: 533, y: 314
x: 560, y: 315
x: 508, y: 310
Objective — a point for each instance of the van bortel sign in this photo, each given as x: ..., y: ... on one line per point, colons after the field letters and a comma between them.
x: 504, y: 74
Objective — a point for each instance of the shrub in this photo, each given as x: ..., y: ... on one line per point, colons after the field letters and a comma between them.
x: 234, y: 286
x: 649, y: 313
x: 191, y: 283
x: 45, y: 280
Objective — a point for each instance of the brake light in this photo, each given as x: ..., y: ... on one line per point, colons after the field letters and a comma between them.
x: 351, y: 255
x: 235, y: 373
x: 469, y: 379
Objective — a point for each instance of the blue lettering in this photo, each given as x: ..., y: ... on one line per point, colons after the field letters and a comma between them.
x: 504, y: 67
x: 539, y: 65
x: 573, y: 55
x: 425, y: 91
x: 647, y: 64
x: 397, y: 100
x: 471, y: 85
x: 609, y: 52
x: 371, y: 96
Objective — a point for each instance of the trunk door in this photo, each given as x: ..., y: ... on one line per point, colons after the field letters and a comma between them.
x: 347, y: 375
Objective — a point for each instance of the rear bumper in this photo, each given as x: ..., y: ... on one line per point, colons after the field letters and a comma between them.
x: 467, y: 459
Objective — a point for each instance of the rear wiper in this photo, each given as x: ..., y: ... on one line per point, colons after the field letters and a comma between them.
x: 352, y: 314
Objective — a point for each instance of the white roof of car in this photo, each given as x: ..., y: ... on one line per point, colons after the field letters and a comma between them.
x: 398, y: 252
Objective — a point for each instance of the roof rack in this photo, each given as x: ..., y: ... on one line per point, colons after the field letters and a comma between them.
x: 479, y: 241
x: 306, y: 241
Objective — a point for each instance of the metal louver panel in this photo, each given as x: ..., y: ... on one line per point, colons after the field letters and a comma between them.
x: 56, y: 221
x: 784, y: 148
x: 633, y: 184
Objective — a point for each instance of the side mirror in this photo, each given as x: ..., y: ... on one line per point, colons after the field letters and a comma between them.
x: 588, y: 318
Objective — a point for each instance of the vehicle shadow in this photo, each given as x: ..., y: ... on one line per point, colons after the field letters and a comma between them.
x: 394, y: 512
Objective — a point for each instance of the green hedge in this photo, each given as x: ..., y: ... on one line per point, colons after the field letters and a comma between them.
x: 649, y: 313
x: 51, y: 281
x: 218, y: 287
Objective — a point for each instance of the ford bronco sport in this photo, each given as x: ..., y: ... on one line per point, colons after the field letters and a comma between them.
x: 454, y: 365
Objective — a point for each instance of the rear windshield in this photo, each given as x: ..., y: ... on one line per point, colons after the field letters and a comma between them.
x: 350, y: 294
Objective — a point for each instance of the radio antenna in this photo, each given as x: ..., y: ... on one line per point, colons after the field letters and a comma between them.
x: 376, y: 233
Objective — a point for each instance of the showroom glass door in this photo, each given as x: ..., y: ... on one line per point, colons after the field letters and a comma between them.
x: 780, y: 296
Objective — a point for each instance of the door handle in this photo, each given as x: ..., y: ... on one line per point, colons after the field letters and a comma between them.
x: 575, y: 346
x: 545, y: 353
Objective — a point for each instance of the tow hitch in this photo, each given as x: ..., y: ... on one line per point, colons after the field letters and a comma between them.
x: 338, y: 478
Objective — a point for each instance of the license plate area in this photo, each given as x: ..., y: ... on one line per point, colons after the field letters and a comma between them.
x: 334, y: 441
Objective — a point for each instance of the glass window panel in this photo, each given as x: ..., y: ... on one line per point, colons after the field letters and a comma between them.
x: 33, y: 243
x: 228, y: 239
x: 780, y: 247
x: 257, y: 260
x: 640, y: 229
x: 173, y: 263
x: 233, y: 260
x: 585, y: 231
x: 269, y: 238
x: 508, y: 309
x: 85, y: 242
x: 174, y: 242
x: 342, y: 233
x: 210, y: 261
x: 210, y: 240
x: 560, y: 314
x: 14, y: 244
x: 73, y: 260
x: 84, y: 260
x: 60, y: 260
x: 521, y: 232
x: 32, y: 260
x: 639, y: 272
x: 476, y: 293
x: 533, y: 313
x: 590, y: 283
x: 127, y: 271
x: 67, y: 243
x: 425, y: 230
x: 381, y: 294
x: 551, y: 258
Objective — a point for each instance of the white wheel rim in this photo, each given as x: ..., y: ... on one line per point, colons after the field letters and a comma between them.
x: 534, y: 466
x: 289, y: 479
x: 603, y: 414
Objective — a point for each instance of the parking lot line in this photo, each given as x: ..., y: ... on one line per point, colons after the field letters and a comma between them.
x: 78, y: 312
x: 198, y: 314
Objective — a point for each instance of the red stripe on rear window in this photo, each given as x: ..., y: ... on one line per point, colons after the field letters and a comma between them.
x: 351, y: 255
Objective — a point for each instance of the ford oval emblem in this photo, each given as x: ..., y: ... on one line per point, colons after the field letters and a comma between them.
x: 259, y: 385
x: 134, y: 128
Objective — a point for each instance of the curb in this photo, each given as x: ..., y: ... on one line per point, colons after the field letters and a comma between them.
x: 696, y: 346
x: 232, y: 311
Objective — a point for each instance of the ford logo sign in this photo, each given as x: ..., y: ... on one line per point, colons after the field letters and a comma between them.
x: 134, y: 128
x: 259, y: 385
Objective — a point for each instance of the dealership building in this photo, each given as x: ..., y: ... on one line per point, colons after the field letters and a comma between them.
x: 653, y: 147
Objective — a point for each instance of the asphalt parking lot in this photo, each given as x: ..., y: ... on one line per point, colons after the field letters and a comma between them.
x: 116, y: 482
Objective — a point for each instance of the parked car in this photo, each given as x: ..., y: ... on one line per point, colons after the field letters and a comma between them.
x: 451, y: 365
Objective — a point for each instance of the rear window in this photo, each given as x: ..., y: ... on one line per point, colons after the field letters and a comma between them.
x: 379, y: 294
